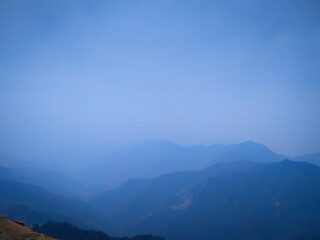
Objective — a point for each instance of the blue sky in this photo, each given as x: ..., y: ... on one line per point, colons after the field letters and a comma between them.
x: 97, y: 74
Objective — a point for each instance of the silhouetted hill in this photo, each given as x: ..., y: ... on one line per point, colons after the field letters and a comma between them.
x: 154, y: 158
x: 150, y: 159
x: 250, y: 151
x: 68, y: 232
x: 25, y: 214
x: 40, y: 173
x: 313, y: 158
x: 148, y: 196
x: 9, y: 161
x: 53, y: 206
x: 143, y: 160
x: 253, y: 201
x: 47, y: 179
x: 6, y: 173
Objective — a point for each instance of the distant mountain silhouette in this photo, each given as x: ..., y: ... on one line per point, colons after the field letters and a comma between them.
x: 237, y: 191
x: 47, y: 204
x: 42, y: 174
x: 9, y: 161
x: 236, y: 200
x: 25, y: 214
x: 6, y: 173
x: 250, y: 151
x: 313, y: 158
x: 162, y: 190
x: 154, y: 158
x: 48, y: 179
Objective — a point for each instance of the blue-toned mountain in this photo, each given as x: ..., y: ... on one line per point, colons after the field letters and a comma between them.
x: 236, y: 200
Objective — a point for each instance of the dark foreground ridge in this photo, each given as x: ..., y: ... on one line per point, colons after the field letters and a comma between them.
x: 67, y: 231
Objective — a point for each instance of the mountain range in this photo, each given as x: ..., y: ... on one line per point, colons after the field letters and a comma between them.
x: 153, y: 158
x: 236, y: 191
x: 235, y: 200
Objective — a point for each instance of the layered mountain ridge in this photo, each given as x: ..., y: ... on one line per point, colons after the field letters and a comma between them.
x: 237, y: 191
x: 239, y: 200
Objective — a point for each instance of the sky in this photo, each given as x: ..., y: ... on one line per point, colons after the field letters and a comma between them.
x: 78, y: 78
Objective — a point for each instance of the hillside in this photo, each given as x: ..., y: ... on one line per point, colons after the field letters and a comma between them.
x: 146, y: 195
x: 48, y: 179
x: 15, y: 230
x: 25, y: 214
x: 278, y: 200
x: 46, y: 205
x: 10, y: 230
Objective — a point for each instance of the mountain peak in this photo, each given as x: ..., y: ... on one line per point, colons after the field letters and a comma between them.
x: 251, y: 151
x: 251, y: 143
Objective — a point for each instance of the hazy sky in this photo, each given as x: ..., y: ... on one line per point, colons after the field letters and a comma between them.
x: 84, y: 76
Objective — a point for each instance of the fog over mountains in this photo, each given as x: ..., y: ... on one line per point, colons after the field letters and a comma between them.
x: 237, y: 191
x: 153, y: 158
x: 86, y: 85
x: 142, y: 160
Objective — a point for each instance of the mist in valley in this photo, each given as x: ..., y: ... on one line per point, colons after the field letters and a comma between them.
x: 160, y: 119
